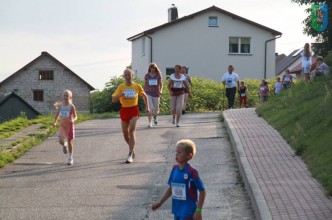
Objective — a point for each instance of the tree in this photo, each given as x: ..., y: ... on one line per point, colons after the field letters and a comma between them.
x: 323, y: 39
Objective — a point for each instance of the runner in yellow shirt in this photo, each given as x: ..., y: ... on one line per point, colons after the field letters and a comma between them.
x: 128, y: 93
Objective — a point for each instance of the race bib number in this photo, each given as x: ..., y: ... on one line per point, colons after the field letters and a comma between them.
x: 153, y: 82
x: 179, y: 191
x: 64, y: 113
x: 130, y: 93
x: 229, y: 81
x: 243, y: 94
x: 178, y: 84
x: 262, y: 88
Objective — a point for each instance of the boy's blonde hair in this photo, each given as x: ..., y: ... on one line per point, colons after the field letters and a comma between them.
x: 187, y: 145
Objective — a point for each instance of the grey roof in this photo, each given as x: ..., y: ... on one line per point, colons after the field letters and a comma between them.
x: 212, y: 8
x: 286, y: 62
x: 280, y: 58
x: 55, y: 60
x: 6, y: 96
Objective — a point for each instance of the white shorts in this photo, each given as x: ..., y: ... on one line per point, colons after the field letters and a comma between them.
x: 153, y: 104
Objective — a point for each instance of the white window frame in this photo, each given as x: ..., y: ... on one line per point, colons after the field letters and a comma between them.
x: 211, y: 22
x: 239, y: 43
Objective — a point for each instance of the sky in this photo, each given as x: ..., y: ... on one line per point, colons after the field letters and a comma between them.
x: 90, y: 36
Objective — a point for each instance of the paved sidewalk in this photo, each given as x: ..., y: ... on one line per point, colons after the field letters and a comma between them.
x: 279, y: 183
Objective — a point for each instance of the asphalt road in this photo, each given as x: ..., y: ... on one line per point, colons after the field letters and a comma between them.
x: 100, y: 185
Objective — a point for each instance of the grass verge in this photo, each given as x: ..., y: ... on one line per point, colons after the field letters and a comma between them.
x: 14, y: 150
x: 303, y: 117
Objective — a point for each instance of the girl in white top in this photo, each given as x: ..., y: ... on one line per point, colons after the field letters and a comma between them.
x: 306, y: 55
x: 176, y: 86
x: 277, y: 86
x: 67, y: 113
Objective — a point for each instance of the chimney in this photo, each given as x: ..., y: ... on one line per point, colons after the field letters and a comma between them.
x: 172, y: 13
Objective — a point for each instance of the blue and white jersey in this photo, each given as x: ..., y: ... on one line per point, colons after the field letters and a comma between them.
x: 185, y: 184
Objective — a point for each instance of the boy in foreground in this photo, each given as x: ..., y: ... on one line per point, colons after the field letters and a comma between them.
x: 184, y: 184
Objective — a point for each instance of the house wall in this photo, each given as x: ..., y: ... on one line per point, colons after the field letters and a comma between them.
x: 27, y: 80
x: 142, y: 60
x: 205, y: 49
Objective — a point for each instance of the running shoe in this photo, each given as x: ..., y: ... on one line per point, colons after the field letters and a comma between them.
x: 65, y: 148
x: 134, y: 155
x: 70, y: 161
x: 130, y: 158
x: 155, y: 120
x: 177, y: 125
x: 150, y: 125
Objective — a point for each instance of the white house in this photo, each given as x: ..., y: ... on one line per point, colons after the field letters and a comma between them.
x: 207, y: 42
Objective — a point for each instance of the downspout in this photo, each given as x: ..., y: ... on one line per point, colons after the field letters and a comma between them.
x: 150, y: 46
x: 266, y: 52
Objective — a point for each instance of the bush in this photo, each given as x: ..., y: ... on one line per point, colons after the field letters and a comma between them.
x: 207, y: 95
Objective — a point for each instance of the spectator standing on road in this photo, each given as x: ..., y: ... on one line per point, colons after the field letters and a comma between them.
x: 287, y: 80
x: 277, y: 86
x: 184, y: 184
x: 176, y: 85
x: 322, y: 68
x: 306, y: 55
x: 186, y: 94
x: 243, y: 94
x: 264, y: 90
x: 153, y: 88
x: 128, y: 93
x: 231, y: 81
x: 67, y: 112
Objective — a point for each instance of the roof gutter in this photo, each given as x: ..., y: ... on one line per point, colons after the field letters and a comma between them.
x: 266, y: 52
x: 150, y: 45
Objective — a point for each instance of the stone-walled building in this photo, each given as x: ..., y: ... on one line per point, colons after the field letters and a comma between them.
x: 42, y: 82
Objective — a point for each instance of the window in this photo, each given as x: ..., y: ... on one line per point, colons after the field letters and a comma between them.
x: 213, y: 21
x: 240, y: 45
x: 170, y: 71
x: 46, y: 75
x: 143, y: 46
x: 38, y: 95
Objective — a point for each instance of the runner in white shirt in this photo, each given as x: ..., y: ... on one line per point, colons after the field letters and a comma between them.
x: 231, y: 82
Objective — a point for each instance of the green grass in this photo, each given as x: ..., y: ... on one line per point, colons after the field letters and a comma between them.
x: 11, y: 127
x: 303, y: 116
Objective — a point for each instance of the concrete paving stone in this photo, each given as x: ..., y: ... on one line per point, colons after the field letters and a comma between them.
x: 40, y: 185
x: 286, y: 183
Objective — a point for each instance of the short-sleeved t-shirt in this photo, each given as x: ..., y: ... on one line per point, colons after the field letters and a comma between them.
x: 185, y: 184
x: 306, y: 62
x: 177, y: 84
x: 278, y: 87
x: 324, y: 68
x: 132, y: 92
x: 230, y: 80
x: 152, y: 85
